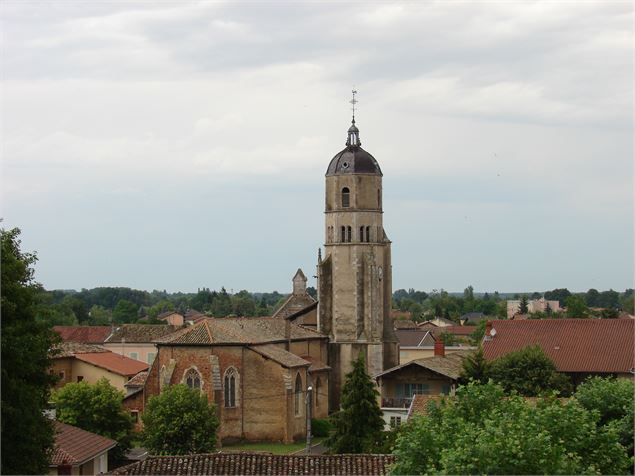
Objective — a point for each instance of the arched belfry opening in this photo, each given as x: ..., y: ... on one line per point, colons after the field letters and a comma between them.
x: 346, y: 197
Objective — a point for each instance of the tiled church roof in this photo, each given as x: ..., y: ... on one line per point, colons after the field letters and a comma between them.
x: 294, y: 304
x: 237, y: 330
x: 260, y: 464
x: 280, y: 355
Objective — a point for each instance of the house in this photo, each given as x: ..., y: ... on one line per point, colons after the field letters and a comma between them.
x: 404, y: 324
x: 437, y: 375
x: 134, y: 399
x: 74, y: 362
x: 440, y: 322
x: 261, y: 463
x: 460, y: 333
x: 472, y: 318
x: 136, y: 340
x: 533, y: 305
x: 78, y: 451
x: 577, y: 347
x: 256, y: 370
x: 300, y: 307
x: 418, y: 344
x: 172, y: 318
x: 84, y: 334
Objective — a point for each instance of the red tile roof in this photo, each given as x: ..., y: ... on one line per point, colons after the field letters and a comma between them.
x: 419, y: 405
x: 116, y: 363
x: 83, y: 334
x: 574, y: 345
x: 138, y: 380
x: 261, y: 464
x: 74, y: 446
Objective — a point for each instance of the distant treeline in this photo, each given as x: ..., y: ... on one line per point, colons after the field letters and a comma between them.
x: 117, y: 305
x: 440, y: 303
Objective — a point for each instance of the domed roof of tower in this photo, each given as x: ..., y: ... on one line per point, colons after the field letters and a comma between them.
x: 353, y: 159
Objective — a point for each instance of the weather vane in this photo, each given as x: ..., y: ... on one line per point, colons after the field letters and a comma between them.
x: 353, y: 102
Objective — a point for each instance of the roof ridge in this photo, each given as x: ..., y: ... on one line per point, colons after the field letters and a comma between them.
x: 209, y: 332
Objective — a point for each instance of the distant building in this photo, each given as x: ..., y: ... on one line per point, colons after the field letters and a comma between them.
x: 84, y: 334
x: 472, y: 318
x: 172, y: 318
x: 75, y: 362
x: 417, y: 344
x: 137, y: 340
x: 578, y: 347
x: 534, y: 305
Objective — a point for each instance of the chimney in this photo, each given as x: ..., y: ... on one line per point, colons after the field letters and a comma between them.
x: 439, y: 348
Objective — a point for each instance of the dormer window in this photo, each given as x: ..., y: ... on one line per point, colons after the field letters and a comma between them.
x: 346, y: 197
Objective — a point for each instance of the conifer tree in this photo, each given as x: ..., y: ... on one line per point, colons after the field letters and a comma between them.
x: 524, y: 308
x: 358, y: 425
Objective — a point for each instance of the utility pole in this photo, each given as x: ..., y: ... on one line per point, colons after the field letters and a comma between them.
x: 309, y: 394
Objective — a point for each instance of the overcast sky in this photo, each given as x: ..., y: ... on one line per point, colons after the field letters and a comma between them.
x: 176, y: 145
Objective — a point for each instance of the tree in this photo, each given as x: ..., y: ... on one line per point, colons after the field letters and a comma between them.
x: 529, y: 372
x: 125, y: 311
x: 614, y: 400
x: 27, y: 434
x: 358, y: 424
x: 99, y: 316
x: 559, y: 295
x: 524, y: 308
x: 483, y: 431
x: 576, y: 306
x: 97, y: 408
x: 475, y: 368
x: 179, y: 421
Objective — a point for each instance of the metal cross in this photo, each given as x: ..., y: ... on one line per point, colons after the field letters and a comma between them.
x: 353, y: 102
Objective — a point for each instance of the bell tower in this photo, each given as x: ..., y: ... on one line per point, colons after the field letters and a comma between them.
x: 354, y: 277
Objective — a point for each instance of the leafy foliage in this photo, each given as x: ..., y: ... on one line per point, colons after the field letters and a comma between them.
x: 320, y: 427
x: 97, y: 408
x: 475, y: 368
x: 358, y: 424
x: 179, y: 421
x: 529, y: 372
x: 524, y: 308
x: 576, y: 307
x: 482, y: 431
x: 614, y: 400
x: 26, y: 433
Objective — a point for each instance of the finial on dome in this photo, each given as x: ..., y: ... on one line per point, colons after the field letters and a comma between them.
x: 353, y: 132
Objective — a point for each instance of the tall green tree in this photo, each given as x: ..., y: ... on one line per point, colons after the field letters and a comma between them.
x: 529, y: 372
x: 358, y: 425
x: 97, y: 408
x: 27, y: 434
x: 179, y: 421
x: 125, y: 311
x: 576, y: 307
x: 475, y: 368
x: 484, y: 431
x: 524, y: 308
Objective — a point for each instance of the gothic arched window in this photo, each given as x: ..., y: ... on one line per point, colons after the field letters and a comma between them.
x: 230, y: 387
x: 349, y: 234
x: 361, y: 234
x: 192, y: 378
x: 297, y: 401
x: 346, y: 197
x: 367, y: 234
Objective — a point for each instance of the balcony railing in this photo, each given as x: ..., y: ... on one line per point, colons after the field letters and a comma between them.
x: 396, y: 402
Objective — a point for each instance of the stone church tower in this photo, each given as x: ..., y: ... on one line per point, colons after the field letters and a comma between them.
x: 355, y: 276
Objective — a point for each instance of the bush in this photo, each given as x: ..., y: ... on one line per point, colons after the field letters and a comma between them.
x: 320, y: 427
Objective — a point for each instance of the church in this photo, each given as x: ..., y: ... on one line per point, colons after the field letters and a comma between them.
x: 267, y: 376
